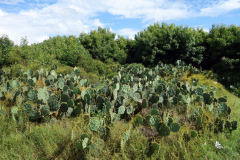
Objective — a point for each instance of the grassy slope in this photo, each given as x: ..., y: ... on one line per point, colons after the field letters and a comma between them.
x: 57, y: 140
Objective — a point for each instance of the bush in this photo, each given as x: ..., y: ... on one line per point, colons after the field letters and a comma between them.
x: 169, y: 43
x: 102, y: 46
x: 224, y: 47
x: 6, y: 46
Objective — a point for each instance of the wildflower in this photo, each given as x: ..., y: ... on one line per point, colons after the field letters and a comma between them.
x: 218, y: 145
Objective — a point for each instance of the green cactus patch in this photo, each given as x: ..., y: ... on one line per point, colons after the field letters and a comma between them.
x: 64, y: 98
x: 222, y: 107
x: 154, y: 112
x: 174, y: 127
x: 43, y: 94
x: 75, y: 91
x: 15, y: 84
x: 30, y: 72
x: 126, y: 136
x: 65, y: 88
x: 82, y: 144
x: 32, y: 95
x: 64, y: 107
x: 94, y: 124
x: 129, y: 110
x: 108, y: 106
x: 159, y: 89
x: 154, y: 99
x: 52, y: 98
x: 171, y: 92
x: 144, y: 103
x: 234, y: 125
x: 47, y: 82
x: 34, y: 115
x: 193, y: 134
x: 27, y: 108
x: 154, y: 121
x: 54, y: 106
x: 125, y: 88
x: 136, y: 97
x: 222, y: 99
x: 61, y: 85
x: 45, y: 110
x: 163, y: 130
x: 199, y: 91
x: 87, y: 98
x: 71, y: 85
x: 120, y: 100
x: 121, y: 110
x: 206, y: 98
x: 90, y: 91
x: 139, y: 119
x: 116, y: 118
x: 77, y: 71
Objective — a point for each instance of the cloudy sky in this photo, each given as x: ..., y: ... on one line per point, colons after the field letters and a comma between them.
x: 39, y: 19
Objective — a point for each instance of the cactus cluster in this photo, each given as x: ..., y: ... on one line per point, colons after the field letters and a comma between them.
x: 134, y: 89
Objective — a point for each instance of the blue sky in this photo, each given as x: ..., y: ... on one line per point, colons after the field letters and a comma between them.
x: 40, y: 19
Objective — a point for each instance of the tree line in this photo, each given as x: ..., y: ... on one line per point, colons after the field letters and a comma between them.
x: 218, y: 50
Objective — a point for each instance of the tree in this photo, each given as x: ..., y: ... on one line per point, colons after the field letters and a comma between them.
x: 102, y: 46
x: 6, y: 46
x: 169, y: 43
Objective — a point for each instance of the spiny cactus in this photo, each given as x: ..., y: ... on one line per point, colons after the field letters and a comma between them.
x: 82, y: 144
x: 34, y: 115
x: 54, y: 105
x: 27, y: 108
x: 45, y: 110
x: 174, y: 127
x: 94, y: 124
x: 199, y: 91
x: 138, y: 119
x: 43, y: 94
x: 121, y: 110
x: 162, y: 129
x: 15, y: 84
x: 64, y: 98
x: 154, y: 121
x: 154, y: 112
x: 32, y: 95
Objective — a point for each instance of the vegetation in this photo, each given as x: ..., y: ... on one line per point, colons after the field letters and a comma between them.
x: 76, y: 98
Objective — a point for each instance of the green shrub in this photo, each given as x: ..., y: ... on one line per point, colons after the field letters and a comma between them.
x: 169, y: 43
x: 102, y: 46
x: 6, y: 46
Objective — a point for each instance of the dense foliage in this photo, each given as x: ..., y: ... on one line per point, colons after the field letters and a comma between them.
x: 224, y: 47
x: 97, y: 51
x: 6, y: 46
x: 223, y: 54
x: 169, y: 43
x: 101, y: 45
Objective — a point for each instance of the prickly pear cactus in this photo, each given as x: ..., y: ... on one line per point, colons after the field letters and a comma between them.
x: 94, y: 124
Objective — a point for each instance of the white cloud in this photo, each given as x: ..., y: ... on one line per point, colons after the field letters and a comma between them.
x: 206, y: 30
x: 72, y: 17
x: 42, y: 38
x: 12, y: 2
x: 2, y: 13
x: 219, y: 8
x: 96, y: 23
x: 127, y: 31
x: 131, y: 37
